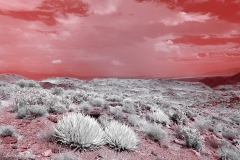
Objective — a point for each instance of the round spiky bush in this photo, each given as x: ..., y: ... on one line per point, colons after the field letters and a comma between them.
x: 159, y: 116
x: 79, y: 131
x: 120, y: 136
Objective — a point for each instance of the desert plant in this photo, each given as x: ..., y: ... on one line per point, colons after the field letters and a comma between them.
x: 128, y: 106
x: 154, y: 131
x: 6, y: 156
x: 212, y: 141
x: 31, y: 111
x: 178, y: 132
x: 85, y: 106
x: 120, y: 136
x: 57, y: 108
x: 27, y: 83
x: 159, y: 116
x: 79, y: 97
x: 114, y: 98
x: 202, y: 125
x: 4, y: 95
x: 179, y: 118
x: 228, y: 153
x: 193, y: 139
x: 229, y: 134
x: 37, y: 111
x: 97, y: 102
x: 47, y: 135
x: 104, y: 120
x: 118, y: 114
x: 7, y: 130
x: 65, y: 156
x: 79, y: 131
x: 134, y: 120
x: 57, y: 90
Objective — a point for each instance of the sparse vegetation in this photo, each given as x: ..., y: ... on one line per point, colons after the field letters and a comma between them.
x: 27, y: 83
x: 136, y: 107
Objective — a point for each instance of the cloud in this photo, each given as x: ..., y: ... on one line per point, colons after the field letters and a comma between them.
x: 167, y: 46
x: 16, y: 5
x: 186, y: 17
x: 102, y: 7
x: 56, y: 61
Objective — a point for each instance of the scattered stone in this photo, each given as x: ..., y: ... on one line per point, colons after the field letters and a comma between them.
x: 14, y: 147
x: 47, y: 153
x: 53, y: 118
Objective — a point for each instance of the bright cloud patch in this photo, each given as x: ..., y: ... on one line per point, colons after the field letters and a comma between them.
x: 19, y: 4
x: 102, y: 7
x: 56, y: 61
x: 167, y: 46
x: 185, y: 17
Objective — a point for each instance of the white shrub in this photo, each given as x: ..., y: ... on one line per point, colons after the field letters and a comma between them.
x: 159, y: 116
x: 120, y: 136
x: 80, y: 131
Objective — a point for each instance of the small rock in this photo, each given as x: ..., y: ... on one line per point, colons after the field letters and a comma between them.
x: 14, y: 147
x: 153, y: 153
x: 9, y: 140
x: 53, y: 118
x: 47, y: 153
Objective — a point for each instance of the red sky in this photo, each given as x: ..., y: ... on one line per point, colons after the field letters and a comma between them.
x: 130, y: 38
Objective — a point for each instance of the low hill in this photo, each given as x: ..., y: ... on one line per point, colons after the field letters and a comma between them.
x: 217, y: 81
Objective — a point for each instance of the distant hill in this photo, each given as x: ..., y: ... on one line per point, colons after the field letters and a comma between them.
x: 221, y: 73
x: 11, y: 78
x: 217, y: 81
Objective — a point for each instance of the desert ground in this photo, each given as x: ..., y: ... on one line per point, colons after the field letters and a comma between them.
x: 65, y: 118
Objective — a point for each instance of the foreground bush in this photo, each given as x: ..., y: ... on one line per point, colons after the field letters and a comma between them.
x: 193, y: 138
x: 120, y: 136
x: 79, y: 131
